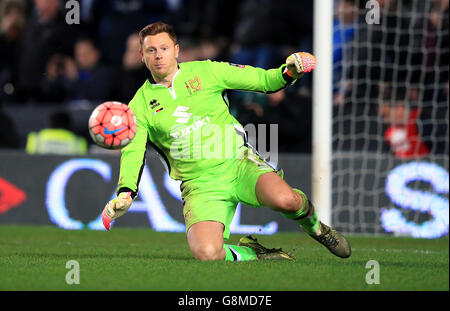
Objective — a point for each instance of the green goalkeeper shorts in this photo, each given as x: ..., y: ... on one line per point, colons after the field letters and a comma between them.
x: 214, y: 196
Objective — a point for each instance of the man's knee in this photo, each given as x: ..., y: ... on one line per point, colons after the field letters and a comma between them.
x: 205, y: 240
x: 207, y: 251
x: 289, y: 201
x: 272, y: 191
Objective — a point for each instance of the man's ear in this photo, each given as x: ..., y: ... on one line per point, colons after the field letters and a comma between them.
x: 142, y: 55
x: 177, y: 50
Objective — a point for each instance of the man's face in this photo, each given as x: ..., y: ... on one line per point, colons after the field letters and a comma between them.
x: 159, y: 53
x: 86, y: 55
x: 132, y: 57
x: 394, y: 114
x: 47, y: 9
x: 346, y: 12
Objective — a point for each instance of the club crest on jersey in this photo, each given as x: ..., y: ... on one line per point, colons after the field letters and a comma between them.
x: 193, y: 85
x: 237, y: 65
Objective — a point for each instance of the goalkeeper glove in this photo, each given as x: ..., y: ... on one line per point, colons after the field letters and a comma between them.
x: 116, y: 208
x: 299, y: 63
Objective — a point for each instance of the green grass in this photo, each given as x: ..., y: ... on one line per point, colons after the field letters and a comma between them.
x: 34, y: 258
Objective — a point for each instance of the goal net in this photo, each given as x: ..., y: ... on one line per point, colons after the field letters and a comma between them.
x: 390, y: 142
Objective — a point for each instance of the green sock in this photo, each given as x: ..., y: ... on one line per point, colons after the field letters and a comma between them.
x: 306, y: 216
x: 238, y: 253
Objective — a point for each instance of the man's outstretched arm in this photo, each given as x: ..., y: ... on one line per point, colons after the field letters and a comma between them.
x: 249, y: 78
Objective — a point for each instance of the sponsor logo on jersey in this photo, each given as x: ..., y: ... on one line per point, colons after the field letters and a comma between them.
x: 237, y: 65
x: 191, y: 128
x: 183, y: 116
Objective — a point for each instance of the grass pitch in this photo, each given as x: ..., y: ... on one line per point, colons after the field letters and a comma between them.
x: 34, y: 258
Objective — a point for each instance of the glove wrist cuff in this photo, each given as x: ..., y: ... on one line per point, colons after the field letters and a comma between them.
x: 287, y: 76
x: 127, y: 190
x: 288, y: 72
x: 125, y: 195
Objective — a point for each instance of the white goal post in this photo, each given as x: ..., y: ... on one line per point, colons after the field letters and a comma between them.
x: 322, y: 110
x: 380, y: 143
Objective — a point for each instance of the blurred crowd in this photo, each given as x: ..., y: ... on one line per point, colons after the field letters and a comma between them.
x: 46, y: 61
x: 391, y: 77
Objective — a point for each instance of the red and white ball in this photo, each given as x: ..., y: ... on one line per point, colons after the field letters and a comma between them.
x: 112, y: 125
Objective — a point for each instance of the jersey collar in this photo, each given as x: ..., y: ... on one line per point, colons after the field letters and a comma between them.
x: 152, y: 81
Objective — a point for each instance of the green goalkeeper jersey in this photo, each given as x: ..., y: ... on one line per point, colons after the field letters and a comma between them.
x: 189, y: 123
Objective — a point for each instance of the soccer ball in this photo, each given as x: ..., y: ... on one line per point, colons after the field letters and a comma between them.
x: 112, y: 125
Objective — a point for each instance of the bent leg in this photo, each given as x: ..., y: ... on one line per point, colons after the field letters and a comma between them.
x: 272, y: 191
x: 276, y: 194
x: 205, y: 240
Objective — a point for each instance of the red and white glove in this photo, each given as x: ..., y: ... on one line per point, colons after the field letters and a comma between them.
x: 116, y: 208
x: 299, y: 63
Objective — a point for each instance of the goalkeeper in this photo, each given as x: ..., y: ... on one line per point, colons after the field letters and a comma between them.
x: 182, y: 110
